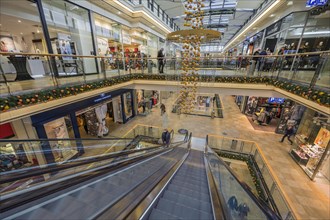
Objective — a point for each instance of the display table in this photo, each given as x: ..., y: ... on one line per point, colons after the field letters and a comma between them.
x: 20, y: 66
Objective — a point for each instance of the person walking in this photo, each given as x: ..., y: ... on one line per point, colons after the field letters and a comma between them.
x: 161, y: 60
x: 288, y: 133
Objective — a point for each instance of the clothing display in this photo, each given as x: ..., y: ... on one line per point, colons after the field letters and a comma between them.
x: 101, y: 112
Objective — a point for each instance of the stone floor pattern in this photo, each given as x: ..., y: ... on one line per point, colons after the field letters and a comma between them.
x: 308, y: 199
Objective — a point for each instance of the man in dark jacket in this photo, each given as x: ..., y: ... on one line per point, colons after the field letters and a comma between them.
x: 166, y: 137
x: 161, y: 60
x: 288, y: 133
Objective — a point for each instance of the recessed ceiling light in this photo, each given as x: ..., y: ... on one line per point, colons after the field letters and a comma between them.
x: 21, y: 33
x: 38, y: 31
x: 153, y: 26
x: 290, y: 3
x: 19, y: 21
x: 119, y: 12
x: 254, y: 28
x: 272, y: 15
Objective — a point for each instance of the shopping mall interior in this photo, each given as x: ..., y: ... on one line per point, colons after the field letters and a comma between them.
x: 165, y: 109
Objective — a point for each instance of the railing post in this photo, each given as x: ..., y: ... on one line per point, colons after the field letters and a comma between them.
x: 318, y: 70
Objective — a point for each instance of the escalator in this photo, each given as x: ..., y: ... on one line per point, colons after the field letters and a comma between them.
x: 187, y: 195
x: 159, y: 183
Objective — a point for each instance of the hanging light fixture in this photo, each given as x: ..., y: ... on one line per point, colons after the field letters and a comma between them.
x: 191, y: 39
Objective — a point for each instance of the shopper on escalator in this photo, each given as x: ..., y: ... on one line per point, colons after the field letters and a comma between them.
x: 166, y: 137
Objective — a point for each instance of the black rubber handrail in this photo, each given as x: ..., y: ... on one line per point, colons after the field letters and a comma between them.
x: 37, y: 171
x: 265, y: 209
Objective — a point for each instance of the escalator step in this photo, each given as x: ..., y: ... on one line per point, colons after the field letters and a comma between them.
x: 191, y: 176
x: 188, y: 201
x: 202, y: 181
x: 190, y: 186
x: 181, y: 211
x: 41, y: 214
x: 188, y: 192
x: 158, y: 214
x: 65, y: 205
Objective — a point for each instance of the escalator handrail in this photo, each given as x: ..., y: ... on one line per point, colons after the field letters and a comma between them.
x: 265, y: 209
x: 36, y: 171
x: 48, y: 188
x: 62, y: 139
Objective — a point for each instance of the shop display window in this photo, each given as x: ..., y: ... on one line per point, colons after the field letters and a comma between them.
x: 14, y: 156
x: 109, y: 43
x: 95, y: 120
x: 128, y: 104
x: 61, y: 129
x: 70, y: 31
x: 22, y: 34
x: 311, y: 147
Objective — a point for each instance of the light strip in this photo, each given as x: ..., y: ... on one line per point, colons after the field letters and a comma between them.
x: 151, y: 18
x: 317, y: 32
x: 259, y: 17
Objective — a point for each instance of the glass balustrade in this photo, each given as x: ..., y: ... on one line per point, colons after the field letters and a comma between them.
x: 62, y: 158
x: 245, y: 148
x: 32, y: 73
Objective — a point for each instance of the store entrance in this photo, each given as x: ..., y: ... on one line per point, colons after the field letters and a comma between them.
x: 96, y: 121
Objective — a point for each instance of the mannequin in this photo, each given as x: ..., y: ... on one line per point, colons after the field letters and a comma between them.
x: 319, y: 47
x: 101, y: 112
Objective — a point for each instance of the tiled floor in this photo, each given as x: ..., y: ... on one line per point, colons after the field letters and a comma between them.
x: 309, y: 200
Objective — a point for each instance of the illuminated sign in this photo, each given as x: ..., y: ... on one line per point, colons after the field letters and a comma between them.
x: 311, y: 3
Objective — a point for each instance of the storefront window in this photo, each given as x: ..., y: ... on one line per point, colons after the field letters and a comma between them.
x: 128, y: 105
x: 96, y: 121
x: 61, y: 128
x: 21, y: 32
x: 152, y: 46
x: 316, y: 37
x: 70, y: 33
x: 108, y: 37
x: 311, y: 148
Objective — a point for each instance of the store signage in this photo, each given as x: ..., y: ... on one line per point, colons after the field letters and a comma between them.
x: 273, y: 28
x: 102, y: 97
x: 311, y: 3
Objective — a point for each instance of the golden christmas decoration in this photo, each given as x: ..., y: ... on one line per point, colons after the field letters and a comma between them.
x: 191, y: 40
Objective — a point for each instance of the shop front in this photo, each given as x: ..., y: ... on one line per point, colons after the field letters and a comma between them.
x: 109, y: 44
x: 91, y: 118
x: 311, y: 147
x: 272, y: 114
x: 146, y: 100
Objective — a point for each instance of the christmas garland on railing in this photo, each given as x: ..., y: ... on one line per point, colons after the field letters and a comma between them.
x: 16, y: 101
x: 253, y: 173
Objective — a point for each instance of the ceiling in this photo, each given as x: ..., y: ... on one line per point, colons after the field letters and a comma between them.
x: 226, y: 16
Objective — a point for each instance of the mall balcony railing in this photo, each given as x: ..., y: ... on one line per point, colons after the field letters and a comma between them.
x: 22, y: 73
x: 272, y: 191
x: 156, y: 10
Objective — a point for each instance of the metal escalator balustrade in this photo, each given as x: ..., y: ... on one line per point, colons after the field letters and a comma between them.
x: 90, y: 198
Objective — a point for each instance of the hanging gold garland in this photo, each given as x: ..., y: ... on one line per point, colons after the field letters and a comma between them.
x: 191, y: 40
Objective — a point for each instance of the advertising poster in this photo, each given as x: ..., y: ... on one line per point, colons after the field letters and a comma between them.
x: 7, y: 44
x: 322, y: 138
